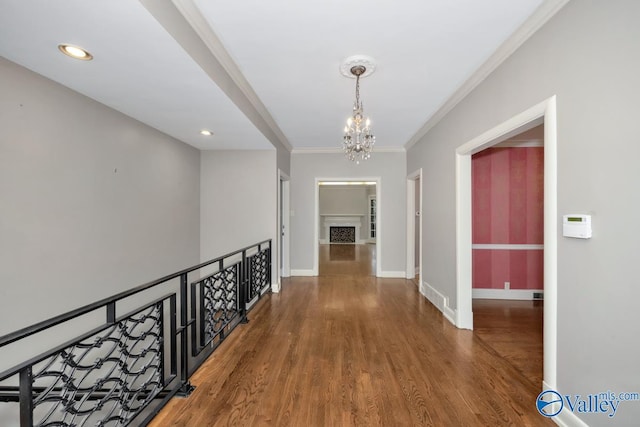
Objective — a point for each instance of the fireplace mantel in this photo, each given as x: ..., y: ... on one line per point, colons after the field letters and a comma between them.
x: 347, y: 220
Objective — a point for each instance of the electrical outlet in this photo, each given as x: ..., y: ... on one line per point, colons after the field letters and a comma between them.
x: 507, y: 285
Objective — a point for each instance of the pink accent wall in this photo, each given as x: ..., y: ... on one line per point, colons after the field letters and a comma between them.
x: 508, y: 209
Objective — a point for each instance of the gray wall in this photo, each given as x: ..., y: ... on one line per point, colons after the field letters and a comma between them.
x: 589, y: 56
x: 390, y: 167
x: 238, y: 200
x: 345, y: 200
x: 92, y: 202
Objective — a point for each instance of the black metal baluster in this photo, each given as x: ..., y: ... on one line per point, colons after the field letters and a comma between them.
x: 186, y: 388
x: 229, y: 292
x: 270, y: 273
x: 26, y: 397
x: 173, y: 332
x: 244, y: 287
x: 111, y: 313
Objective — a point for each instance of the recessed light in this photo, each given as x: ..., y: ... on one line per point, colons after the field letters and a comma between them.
x: 75, y: 52
x: 206, y: 132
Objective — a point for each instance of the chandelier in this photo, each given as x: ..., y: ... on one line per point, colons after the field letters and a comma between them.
x: 358, y: 140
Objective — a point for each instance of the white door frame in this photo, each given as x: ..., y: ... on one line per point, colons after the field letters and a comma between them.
x: 379, y: 221
x: 545, y: 112
x: 282, y: 257
x: 411, y: 220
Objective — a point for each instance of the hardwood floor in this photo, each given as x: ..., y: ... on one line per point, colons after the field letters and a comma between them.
x: 349, y: 349
x: 347, y: 260
x: 514, y: 330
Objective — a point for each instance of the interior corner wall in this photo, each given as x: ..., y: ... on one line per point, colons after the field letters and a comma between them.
x: 587, y: 56
x: 238, y: 200
x: 390, y: 167
x: 92, y: 201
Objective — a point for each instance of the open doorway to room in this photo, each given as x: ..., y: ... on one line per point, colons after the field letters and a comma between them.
x: 507, y: 249
x: 542, y: 113
x: 414, y: 228
x: 347, y: 228
x: 282, y: 266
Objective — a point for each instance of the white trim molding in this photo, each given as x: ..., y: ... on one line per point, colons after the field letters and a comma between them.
x: 339, y: 150
x: 379, y: 220
x: 283, y: 225
x: 302, y: 273
x: 565, y: 418
x: 521, y: 35
x: 509, y: 294
x: 438, y: 300
x: 184, y: 21
x: 544, y: 112
x: 393, y: 274
x: 521, y: 144
x: 329, y: 221
x: 412, y: 210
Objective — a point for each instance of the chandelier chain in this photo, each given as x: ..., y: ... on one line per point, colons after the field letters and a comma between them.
x: 358, y: 90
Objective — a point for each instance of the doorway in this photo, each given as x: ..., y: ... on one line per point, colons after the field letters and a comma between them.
x: 282, y: 265
x: 344, y: 218
x: 507, y: 249
x: 544, y: 112
x: 414, y: 228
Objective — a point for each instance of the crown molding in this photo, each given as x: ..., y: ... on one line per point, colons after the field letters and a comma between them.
x: 194, y: 16
x: 540, y: 17
x: 184, y: 21
x: 338, y: 150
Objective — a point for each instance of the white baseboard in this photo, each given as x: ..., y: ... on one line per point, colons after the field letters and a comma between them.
x: 275, y: 287
x: 438, y: 300
x: 393, y: 274
x: 449, y: 313
x: 565, y: 418
x: 302, y: 273
x: 511, y: 294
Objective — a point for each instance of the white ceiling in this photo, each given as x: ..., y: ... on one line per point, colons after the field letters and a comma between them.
x: 258, y: 72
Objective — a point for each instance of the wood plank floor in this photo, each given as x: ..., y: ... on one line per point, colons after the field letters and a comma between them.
x: 514, y: 330
x: 349, y: 349
x: 347, y: 260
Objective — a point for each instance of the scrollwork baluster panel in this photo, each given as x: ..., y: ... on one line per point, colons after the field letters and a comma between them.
x: 259, y: 273
x: 219, y: 302
x: 106, y: 379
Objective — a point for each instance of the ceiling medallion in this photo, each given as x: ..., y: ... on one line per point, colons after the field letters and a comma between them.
x: 353, y: 61
x: 358, y: 140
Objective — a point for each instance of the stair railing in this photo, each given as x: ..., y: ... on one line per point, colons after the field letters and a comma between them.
x: 118, y: 361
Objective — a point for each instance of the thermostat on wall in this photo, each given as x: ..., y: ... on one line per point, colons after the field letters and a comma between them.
x: 576, y: 226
